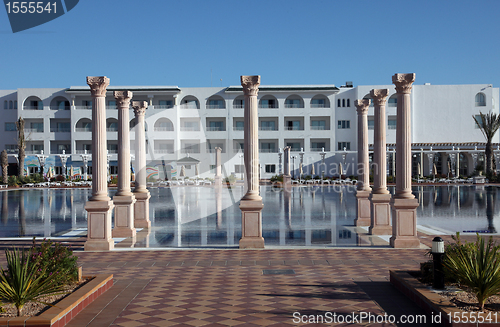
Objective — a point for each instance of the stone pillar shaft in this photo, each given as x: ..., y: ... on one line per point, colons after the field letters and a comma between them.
x: 363, y: 158
x: 98, y: 87
x: 286, y: 154
x: 140, y: 146
x: 218, y: 167
x: 379, y: 97
x: 363, y: 187
x: 123, y: 102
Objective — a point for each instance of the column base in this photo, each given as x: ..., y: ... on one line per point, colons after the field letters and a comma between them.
x: 251, y: 224
x: 124, y: 216
x: 363, y: 209
x: 141, y: 210
x: 380, y: 214
x: 99, y: 226
x: 404, y: 223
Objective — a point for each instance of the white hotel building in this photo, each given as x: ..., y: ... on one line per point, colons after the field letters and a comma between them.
x: 184, y: 125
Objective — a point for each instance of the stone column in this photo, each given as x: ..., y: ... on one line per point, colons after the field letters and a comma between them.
x: 64, y: 159
x: 430, y: 158
x: 141, y: 206
x: 404, y: 203
x: 251, y: 204
x: 218, y: 170
x: 363, y: 187
x: 124, y: 199
x: 380, y: 196
x: 100, y: 205
x: 287, y: 179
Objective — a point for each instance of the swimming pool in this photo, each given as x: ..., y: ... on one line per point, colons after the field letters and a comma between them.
x: 203, y: 217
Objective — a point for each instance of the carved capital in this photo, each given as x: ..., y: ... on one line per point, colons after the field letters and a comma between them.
x: 403, y: 82
x: 139, y: 107
x: 362, y: 106
x: 123, y: 98
x: 250, y: 84
x: 379, y: 96
x: 98, y: 85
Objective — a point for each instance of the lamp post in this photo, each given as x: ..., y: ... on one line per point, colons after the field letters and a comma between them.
x: 64, y: 158
x: 41, y: 159
x: 85, y: 159
x: 280, y: 154
x: 344, y: 157
x: 301, y: 165
x: 437, y: 256
x: 322, y: 154
x: 293, y: 165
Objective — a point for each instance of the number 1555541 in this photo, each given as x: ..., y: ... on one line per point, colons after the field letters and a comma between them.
x: 32, y: 7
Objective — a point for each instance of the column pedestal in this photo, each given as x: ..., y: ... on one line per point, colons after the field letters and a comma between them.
x: 363, y: 209
x: 141, y: 210
x: 251, y: 224
x: 124, y: 216
x: 381, y: 213
x: 404, y: 223
x: 99, y: 226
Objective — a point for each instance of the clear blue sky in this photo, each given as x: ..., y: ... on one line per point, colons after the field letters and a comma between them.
x: 164, y: 42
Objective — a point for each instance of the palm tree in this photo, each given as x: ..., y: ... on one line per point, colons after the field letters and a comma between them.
x: 4, y: 161
x: 21, y: 145
x: 488, y: 124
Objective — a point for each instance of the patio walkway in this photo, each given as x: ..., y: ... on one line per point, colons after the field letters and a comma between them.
x: 229, y: 288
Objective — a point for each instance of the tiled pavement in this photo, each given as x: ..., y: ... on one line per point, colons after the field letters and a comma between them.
x: 228, y: 287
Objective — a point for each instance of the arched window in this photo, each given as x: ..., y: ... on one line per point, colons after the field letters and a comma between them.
x: 15, y: 104
x: 11, y: 104
x: 480, y: 100
x: 343, y: 102
x: 5, y: 104
x: 348, y: 102
x: 338, y: 103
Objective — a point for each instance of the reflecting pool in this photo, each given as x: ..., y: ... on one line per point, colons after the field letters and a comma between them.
x: 207, y: 217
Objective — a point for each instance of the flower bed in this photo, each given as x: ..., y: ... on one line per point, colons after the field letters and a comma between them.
x: 437, y: 306
x: 67, y: 308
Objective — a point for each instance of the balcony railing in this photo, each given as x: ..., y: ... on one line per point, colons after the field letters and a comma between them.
x: 214, y: 106
x: 319, y: 149
x: 83, y: 129
x: 267, y: 128
x: 213, y: 150
x: 319, y: 128
x: 268, y: 151
x: 164, y: 129
x: 164, y: 151
x: 293, y: 128
x: 60, y: 130
x: 291, y: 105
x: 268, y: 107
x: 319, y: 105
x: 113, y: 151
x: 238, y: 106
x: 295, y: 149
x: 391, y: 126
x: 83, y: 151
x: 163, y: 106
x: 187, y: 106
x: 12, y: 151
x: 32, y: 130
x: 83, y: 107
x: 33, y: 152
x: 189, y: 129
x: 57, y: 108
x: 238, y: 128
x: 112, y: 129
x: 190, y: 150
x: 32, y: 108
x: 215, y: 129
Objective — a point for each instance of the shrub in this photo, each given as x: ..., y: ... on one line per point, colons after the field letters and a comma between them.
x: 114, y: 180
x: 476, y: 266
x: 13, y: 180
x: 52, y: 258
x: 276, y: 178
x: 20, y: 283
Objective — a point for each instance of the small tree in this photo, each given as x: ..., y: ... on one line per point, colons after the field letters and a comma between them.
x: 4, y: 159
x: 488, y: 124
x: 21, y: 145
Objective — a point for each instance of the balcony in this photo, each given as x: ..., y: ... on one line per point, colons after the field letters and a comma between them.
x: 190, y: 129
x: 190, y: 151
x: 215, y: 129
x: 83, y: 129
x: 238, y: 128
x: 319, y: 149
x: 238, y: 106
x: 32, y: 130
x: 319, y: 128
x: 293, y: 105
x: 319, y: 105
x: 111, y: 129
x: 214, y: 106
x: 83, y: 152
x: 83, y: 107
x: 268, y: 151
x: 293, y: 128
x: 267, y: 128
x: 32, y: 108
x: 164, y: 129
x: 163, y: 106
x: 12, y: 151
x: 164, y: 151
x: 60, y: 130
x: 213, y: 150
x: 33, y: 152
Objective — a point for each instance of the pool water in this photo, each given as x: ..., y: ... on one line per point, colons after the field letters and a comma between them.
x: 204, y: 217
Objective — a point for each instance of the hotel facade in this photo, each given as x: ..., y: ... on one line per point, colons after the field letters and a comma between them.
x: 185, y: 125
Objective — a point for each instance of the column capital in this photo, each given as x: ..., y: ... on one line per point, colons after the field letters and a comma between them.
x: 218, y: 150
x: 379, y: 96
x: 403, y: 82
x: 362, y: 106
x: 250, y: 84
x: 98, y: 85
x: 139, y: 107
x: 123, y: 98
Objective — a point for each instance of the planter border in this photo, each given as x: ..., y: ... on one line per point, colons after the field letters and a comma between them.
x: 67, y: 308
x: 433, y: 303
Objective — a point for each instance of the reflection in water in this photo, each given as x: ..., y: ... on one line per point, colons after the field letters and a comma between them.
x: 205, y: 216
